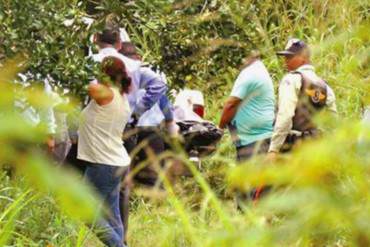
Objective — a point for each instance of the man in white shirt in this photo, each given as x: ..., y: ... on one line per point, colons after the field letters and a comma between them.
x: 189, y: 105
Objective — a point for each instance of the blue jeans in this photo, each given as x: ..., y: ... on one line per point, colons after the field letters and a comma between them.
x: 106, y: 180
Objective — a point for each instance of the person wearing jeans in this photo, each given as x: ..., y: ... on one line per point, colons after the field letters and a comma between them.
x: 100, y: 144
x: 107, y: 179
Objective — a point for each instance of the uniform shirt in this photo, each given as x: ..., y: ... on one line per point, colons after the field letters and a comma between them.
x: 289, y: 91
x: 142, y: 78
x: 255, y: 116
x: 100, y: 132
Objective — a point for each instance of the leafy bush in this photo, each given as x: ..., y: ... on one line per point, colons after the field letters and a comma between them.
x: 20, y: 153
x: 321, y: 195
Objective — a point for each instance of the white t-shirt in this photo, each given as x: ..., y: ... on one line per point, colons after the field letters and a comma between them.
x: 100, y: 132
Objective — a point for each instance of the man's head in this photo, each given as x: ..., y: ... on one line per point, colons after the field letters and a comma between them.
x: 296, y: 54
x: 128, y: 49
x: 109, y: 37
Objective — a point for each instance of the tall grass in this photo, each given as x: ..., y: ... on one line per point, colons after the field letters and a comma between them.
x: 321, y: 195
x: 317, y: 185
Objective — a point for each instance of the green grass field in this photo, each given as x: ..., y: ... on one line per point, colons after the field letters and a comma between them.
x: 322, y: 190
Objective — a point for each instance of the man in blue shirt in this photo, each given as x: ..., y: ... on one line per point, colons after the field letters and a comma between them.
x: 249, y: 111
x: 148, y: 124
x: 109, y: 44
x: 147, y: 127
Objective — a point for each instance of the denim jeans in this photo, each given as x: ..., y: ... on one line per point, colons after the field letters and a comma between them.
x: 106, y: 180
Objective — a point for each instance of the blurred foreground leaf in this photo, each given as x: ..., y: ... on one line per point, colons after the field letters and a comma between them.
x: 74, y: 197
x: 321, y: 191
x: 21, y: 144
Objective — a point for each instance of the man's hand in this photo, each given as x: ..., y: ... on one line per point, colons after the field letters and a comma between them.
x: 172, y: 128
x: 135, y: 119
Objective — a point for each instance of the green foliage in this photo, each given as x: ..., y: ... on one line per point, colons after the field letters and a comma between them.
x: 37, y: 219
x: 21, y: 144
x: 9, y: 215
x: 52, y: 36
x: 321, y: 195
x: 322, y: 191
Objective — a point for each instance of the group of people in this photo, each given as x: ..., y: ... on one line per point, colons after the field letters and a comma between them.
x: 250, y: 110
x: 135, y: 95
x: 130, y: 96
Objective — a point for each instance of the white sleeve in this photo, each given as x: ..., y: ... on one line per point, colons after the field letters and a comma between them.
x: 47, y: 114
x: 331, y: 101
x: 288, y: 98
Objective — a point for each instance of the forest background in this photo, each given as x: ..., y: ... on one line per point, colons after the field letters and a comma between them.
x: 323, y: 197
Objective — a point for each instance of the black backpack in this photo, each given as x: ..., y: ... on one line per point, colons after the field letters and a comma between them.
x: 312, y: 98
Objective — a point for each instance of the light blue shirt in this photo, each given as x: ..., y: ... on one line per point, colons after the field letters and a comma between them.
x: 162, y: 110
x: 256, y: 113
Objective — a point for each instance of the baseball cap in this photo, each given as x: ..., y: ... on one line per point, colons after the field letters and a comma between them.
x: 293, y: 47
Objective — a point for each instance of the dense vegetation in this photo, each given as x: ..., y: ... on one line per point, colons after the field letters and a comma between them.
x: 322, y: 190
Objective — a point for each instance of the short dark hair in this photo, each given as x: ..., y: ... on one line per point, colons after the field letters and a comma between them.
x: 253, y: 56
x: 128, y: 49
x: 108, y: 36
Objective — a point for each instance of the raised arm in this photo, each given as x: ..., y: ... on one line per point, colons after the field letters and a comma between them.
x: 102, y: 94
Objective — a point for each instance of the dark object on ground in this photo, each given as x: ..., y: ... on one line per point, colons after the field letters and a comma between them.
x: 201, y: 137
x: 153, y: 146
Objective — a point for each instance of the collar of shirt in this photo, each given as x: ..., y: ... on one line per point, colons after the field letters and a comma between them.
x: 306, y: 67
x: 108, y: 51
